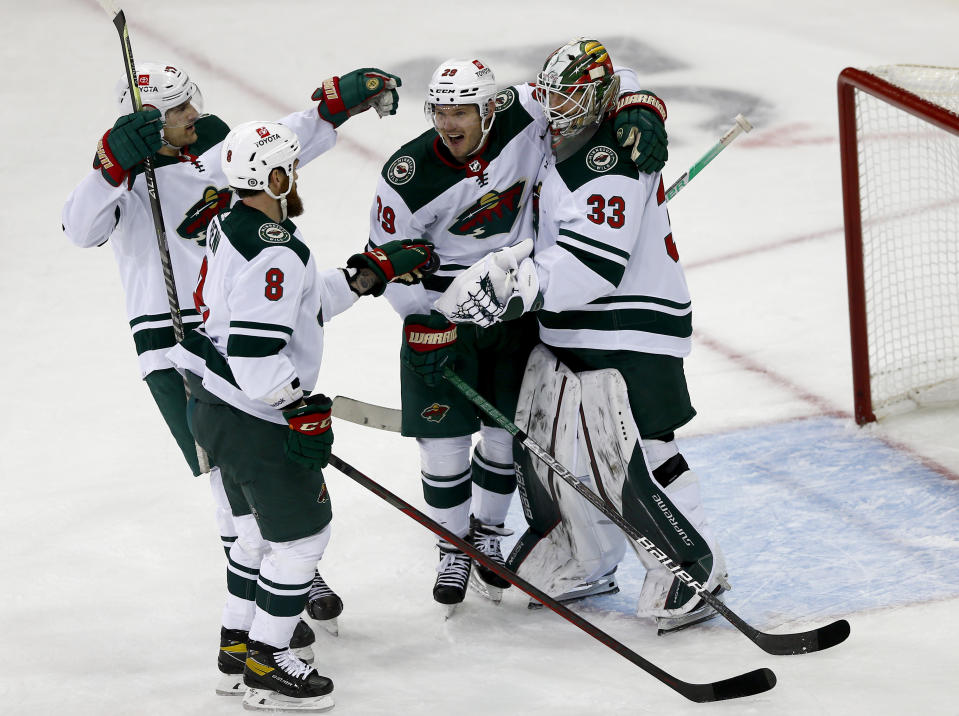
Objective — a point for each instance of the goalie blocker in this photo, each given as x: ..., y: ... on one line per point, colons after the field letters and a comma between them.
x: 585, y: 421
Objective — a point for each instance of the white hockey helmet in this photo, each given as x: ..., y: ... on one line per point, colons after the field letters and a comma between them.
x: 460, y: 82
x: 162, y: 87
x: 576, y: 86
x: 254, y: 149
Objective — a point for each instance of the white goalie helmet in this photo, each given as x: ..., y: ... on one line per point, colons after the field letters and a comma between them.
x: 162, y: 87
x: 462, y: 82
x: 576, y: 86
x: 254, y: 149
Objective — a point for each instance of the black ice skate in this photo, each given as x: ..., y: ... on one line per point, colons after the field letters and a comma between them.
x: 700, y: 613
x: 454, y: 572
x: 487, y: 538
x: 277, y: 680
x: 324, y: 605
x: 230, y: 661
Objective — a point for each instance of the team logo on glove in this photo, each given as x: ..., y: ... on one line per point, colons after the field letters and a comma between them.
x: 372, y: 84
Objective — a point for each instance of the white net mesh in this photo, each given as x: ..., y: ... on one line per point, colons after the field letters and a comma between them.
x: 909, y: 192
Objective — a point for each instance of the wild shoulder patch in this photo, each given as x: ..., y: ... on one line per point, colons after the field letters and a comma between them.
x: 401, y: 170
x: 274, y: 234
x: 504, y: 99
x: 601, y: 159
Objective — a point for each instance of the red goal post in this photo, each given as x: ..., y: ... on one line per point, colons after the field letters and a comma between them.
x: 899, y: 146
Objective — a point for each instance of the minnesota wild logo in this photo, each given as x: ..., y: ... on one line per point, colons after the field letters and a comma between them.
x: 435, y: 413
x: 199, y: 215
x: 494, y: 213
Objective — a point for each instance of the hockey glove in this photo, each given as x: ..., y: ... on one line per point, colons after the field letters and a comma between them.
x: 640, y: 122
x: 311, y: 432
x: 429, y: 346
x: 406, y: 261
x: 499, y: 287
x: 342, y: 97
x: 134, y: 137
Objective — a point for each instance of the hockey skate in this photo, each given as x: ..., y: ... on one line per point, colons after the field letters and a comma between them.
x: 324, y: 605
x: 233, y: 651
x: 230, y: 662
x: 702, y: 612
x: 487, y: 538
x: 604, y: 585
x: 277, y: 680
x: 453, y: 574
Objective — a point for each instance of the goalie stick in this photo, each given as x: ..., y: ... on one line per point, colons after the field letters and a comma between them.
x: 748, y: 684
x: 382, y: 418
x: 779, y: 644
x: 120, y: 22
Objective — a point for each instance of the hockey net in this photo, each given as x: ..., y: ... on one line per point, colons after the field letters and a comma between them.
x: 899, y: 140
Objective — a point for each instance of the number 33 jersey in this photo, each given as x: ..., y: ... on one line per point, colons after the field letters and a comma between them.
x: 606, y: 255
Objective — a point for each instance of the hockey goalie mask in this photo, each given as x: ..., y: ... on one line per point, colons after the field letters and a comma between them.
x: 576, y: 87
x: 166, y: 88
x: 254, y: 149
x: 463, y: 82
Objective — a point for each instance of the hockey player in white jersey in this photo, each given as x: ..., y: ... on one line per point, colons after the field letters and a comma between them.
x: 614, y: 314
x: 111, y: 203
x: 466, y: 185
x: 252, y: 366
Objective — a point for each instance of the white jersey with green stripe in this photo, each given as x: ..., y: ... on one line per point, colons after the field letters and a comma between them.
x: 466, y: 210
x: 263, y: 305
x: 605, y: 255
x: 192, y: 190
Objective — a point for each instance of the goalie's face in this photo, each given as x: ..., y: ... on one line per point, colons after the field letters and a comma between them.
x: 460, y: 127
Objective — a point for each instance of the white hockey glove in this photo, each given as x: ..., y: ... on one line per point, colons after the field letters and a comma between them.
x: 499, y: 287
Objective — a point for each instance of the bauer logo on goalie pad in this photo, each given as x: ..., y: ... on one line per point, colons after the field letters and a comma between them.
x: 435, y: 413
x: 601, y: 159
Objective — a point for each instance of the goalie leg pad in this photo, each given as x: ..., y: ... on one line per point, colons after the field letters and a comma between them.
x: 618, y: 460
x: 569, y: 541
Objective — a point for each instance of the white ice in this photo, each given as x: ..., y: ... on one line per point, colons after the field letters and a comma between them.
x: 111, y: 569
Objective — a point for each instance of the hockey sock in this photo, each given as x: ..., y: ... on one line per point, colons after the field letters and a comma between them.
x: 283, y: 588
x: 445, y: 465
x: 494, y: 479
x: 242, y: 572
x: 221, y: 510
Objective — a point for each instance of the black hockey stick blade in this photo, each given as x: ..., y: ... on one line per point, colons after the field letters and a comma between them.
x: 803, y: 642
x: 753, y: 682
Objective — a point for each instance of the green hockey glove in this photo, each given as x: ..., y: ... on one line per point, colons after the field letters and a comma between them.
x: 311, y: 432
x: 429, y: 346
x: 640, y: 122
x: 342, y: 97
x: 134, y: 137
x: 404, y: 261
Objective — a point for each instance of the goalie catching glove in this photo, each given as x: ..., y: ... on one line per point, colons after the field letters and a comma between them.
x: 134, y: 137
x: 405, y: 261
x: 342, y: 97
x: 310, y: 439
x: 428, y: 346
x: 499, y: 287
x: 639, y: 119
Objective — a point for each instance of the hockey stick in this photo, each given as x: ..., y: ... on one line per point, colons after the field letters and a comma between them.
x: 149, y: 173
x: 368, y: 414
x: 780, y: 644
x: 742, y: 125
x: 753, y: 682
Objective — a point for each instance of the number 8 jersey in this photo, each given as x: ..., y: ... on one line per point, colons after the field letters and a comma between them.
x: 605, y: 254
x: 263, y: 305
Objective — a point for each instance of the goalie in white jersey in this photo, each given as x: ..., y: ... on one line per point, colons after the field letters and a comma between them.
x: 614, y: 311
x: 466, y: 186
x: 251, y: 368
x: 112, y: 204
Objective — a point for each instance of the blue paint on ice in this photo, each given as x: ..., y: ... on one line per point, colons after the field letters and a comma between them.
x: 818, y: 519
